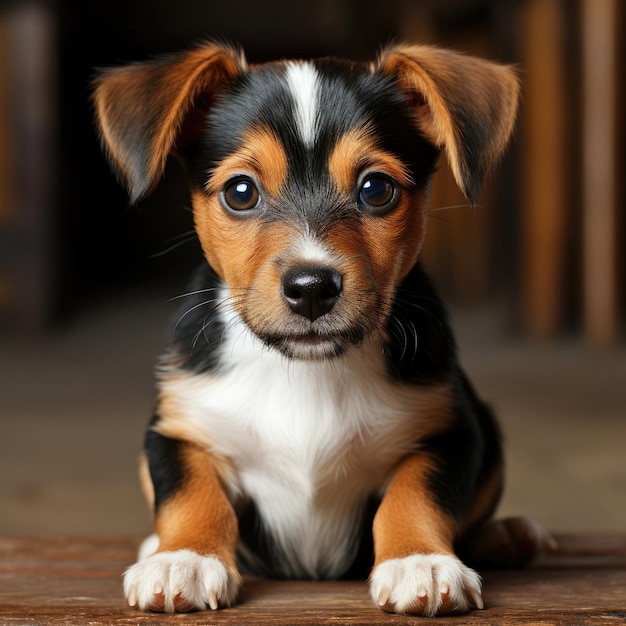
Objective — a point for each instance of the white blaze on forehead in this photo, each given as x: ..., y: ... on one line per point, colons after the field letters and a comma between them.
x: 310, y: 250
x: 302, y: 80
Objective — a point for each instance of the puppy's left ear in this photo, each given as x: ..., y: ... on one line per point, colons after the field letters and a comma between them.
x: 145, y: 111
x: 462, y: 104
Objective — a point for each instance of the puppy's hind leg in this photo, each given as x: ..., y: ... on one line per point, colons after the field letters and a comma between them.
x: 501, y: 543
x: 507, y: 543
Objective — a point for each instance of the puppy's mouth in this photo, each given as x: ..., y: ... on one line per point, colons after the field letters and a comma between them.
x: 314, y: 345
x: 321, y: 313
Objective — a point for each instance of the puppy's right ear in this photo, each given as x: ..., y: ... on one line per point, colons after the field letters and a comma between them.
x: 145, y: 111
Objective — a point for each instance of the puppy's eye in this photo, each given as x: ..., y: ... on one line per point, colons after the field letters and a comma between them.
x: 377, y: 192
x: 241, y: 194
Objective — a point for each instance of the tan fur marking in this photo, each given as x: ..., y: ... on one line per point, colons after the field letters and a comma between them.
x: 356, y: 151
x: 199, y: 516
x: 391, y: 243
x: 172, y: 422
x: 145, y: 481
x: 408, y: 521
x: 396, y: 240
x: 238, y: 249
x: 262, y: 154
x: 222, y: 236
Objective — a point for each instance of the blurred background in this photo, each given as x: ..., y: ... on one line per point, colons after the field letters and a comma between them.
x: 534, y: 274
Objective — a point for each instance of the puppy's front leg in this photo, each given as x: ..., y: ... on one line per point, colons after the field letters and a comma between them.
x: 194, y: 565
x: 415, y: 569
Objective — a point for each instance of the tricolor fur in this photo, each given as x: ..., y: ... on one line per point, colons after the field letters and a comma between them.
x: 313, y: 421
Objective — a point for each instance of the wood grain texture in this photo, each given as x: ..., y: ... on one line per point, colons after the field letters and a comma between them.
x: 71, y: 580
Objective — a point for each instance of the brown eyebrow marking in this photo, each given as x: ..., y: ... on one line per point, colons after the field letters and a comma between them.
x: 261, y: 153
x: 356, y: 151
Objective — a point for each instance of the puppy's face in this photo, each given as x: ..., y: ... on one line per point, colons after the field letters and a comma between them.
x: 309, y: 180
x: 309, y: 194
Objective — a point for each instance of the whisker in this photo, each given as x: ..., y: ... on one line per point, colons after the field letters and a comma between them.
x: 179, y: 241
x: 184, y: 235
x: 209, y: 289
x: 193, y: 293
x: 416, y: 339
x: 453, y: 206
x: 400, y: 327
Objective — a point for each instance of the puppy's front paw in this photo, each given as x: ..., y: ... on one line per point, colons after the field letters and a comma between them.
x: 425, y: 584
x: 180, y: 581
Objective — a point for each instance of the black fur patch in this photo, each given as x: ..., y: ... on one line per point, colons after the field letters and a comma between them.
x: 421, y: 348
x: 465, y: 454
x: 164, y: 461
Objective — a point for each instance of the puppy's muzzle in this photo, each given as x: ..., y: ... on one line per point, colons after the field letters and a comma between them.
x: 311, y: 291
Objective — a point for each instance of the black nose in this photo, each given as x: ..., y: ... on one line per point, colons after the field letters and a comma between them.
x: 311, y: 291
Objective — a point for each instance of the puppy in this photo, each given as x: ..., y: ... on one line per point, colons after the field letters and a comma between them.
x: 313, y: 420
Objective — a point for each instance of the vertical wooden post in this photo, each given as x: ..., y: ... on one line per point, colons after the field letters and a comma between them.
x: 599, y: 152
x: 33, y: 71
x: 544, y: 212
x: 7, y: 172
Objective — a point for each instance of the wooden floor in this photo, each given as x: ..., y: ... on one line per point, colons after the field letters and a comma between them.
x: 69, y: 580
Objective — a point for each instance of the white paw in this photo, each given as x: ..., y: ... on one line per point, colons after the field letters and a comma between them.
x: 180, y: 581
x: 425, y: 584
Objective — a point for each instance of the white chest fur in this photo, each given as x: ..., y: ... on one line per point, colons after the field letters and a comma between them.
x: 309, y: 441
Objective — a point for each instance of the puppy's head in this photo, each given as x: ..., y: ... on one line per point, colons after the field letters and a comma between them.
x: 309, y: 180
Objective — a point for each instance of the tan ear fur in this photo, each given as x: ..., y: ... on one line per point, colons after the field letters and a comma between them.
x: 462, y: 104
x: 146, y: 110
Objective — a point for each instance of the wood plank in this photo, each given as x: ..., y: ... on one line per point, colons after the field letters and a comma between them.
x: 70, y: 580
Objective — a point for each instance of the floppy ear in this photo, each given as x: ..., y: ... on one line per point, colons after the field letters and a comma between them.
x: 462, y: 104
x: 147, y: 110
